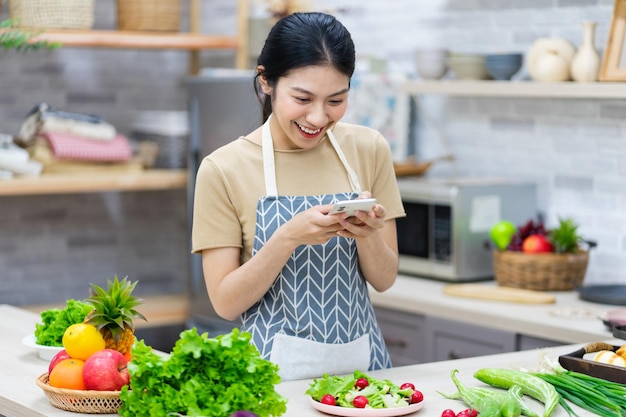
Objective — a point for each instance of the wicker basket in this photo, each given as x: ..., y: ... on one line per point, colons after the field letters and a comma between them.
x: 542, y: 271
x: 64, y: 14
x: 91, y: 402
x: 157, y: 15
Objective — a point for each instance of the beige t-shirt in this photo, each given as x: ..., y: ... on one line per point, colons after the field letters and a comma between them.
x: 230, y: 182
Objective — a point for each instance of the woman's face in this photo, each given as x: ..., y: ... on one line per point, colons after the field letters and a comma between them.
x: 305, y: 104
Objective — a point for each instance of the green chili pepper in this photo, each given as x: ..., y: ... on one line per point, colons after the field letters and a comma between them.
x: 530, y: 385
x: 487, y: 406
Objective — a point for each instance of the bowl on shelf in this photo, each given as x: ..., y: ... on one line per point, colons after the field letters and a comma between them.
x: 503, y: 66
x: 431, y: 63
x: 468, y: 66
x: 45, y: 352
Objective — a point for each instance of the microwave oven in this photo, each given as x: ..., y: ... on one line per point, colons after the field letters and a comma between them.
x: 445, y: 232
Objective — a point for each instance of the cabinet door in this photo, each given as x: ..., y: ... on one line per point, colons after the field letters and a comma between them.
x: 529, y: 343
x: 403, y: 334
x: 446, y: 339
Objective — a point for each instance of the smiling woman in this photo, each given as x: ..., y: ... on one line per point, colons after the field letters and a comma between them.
x: 271, y: 251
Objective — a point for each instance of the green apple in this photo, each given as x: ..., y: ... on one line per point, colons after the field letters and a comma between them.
x: 501, y: 233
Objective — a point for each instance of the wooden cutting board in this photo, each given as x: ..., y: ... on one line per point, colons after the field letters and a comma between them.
x: 491, y: 292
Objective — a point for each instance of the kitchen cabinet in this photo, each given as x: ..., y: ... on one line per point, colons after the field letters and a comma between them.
x: 447, y: 339
x: 403, y: 334
x: 525, y: 342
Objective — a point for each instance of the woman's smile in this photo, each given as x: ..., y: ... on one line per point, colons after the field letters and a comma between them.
x: 308, y: 132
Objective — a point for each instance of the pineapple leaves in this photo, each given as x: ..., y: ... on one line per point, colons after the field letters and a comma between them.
x: 565, y: 238
x: 114, y: 310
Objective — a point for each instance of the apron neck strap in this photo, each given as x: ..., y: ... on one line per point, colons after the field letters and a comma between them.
x: 269, y: 166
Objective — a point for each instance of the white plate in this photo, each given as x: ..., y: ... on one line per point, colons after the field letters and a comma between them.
x: 366, y: 412
x: 45, y: 352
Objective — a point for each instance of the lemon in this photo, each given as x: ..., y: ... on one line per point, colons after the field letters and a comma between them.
x: 81, y: 340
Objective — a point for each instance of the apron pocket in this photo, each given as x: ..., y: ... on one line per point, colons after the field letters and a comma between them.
x: 299, y: 358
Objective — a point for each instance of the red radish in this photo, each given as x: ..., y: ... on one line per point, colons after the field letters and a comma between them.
x: 328, y: 399
x: 361, y: 383
x: 360, y: 401
x: 407, y: 385
x: 418, y: 397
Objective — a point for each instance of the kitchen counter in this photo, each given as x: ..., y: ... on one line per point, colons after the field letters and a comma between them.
x: 568, y: 320
x: 19, y: 396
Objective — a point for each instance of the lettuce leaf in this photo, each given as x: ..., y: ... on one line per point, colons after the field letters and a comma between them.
x: 54, y: 322
x: 202, y: 376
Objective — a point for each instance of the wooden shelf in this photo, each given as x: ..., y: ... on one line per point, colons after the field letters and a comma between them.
x: 95, y: 182
x: 137, y: 40
x: 596, y: 90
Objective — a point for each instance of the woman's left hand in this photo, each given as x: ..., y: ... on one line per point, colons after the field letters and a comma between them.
x: 363, y: 223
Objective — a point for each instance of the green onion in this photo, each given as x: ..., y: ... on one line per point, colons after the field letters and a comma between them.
x: 601, y: 397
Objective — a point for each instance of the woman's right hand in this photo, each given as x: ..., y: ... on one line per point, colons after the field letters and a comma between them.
x: 313, y: 226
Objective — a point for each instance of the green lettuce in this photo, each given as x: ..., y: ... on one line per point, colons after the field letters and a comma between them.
x: 202, y: 376
x: 54, y: 322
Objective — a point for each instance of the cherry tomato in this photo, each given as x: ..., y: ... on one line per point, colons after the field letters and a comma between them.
x: 463, y: 413
x: 361, y: 383
x: 360, y: 401
x: 407, y: 385
x: 418, y: 397
x: 328, y: 399
x: 448, y: 413
x: 471, y: 412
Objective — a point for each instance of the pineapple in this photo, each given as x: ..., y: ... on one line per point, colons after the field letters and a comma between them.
x: 565, y: 238
x: 113, y: 313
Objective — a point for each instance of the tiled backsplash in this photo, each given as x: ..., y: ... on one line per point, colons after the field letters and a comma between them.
x: 51, y: 247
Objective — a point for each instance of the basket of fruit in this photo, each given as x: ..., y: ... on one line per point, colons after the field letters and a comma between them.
x: 88, y: 374
x: 80, y: 401
x: 535, y: 258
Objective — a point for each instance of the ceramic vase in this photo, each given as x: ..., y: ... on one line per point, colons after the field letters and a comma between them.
x: 551, y: 67
x: 586, y: 62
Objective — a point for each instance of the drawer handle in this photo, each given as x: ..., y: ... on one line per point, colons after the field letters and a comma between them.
x: 396, y: 342
x: 453, y: 355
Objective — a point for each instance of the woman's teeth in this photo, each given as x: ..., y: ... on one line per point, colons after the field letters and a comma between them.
x: 308, y: 131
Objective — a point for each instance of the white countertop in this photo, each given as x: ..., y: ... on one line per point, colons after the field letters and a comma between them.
x: 568, y: 320
x: 20, y: 396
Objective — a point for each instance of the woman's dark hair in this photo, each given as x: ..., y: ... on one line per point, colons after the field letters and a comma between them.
x: 300, y: 40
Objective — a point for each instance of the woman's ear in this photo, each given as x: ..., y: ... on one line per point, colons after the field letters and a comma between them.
x: 263, y: 80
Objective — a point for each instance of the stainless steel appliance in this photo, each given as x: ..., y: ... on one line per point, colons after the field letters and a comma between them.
x: 222, y: 107
x: 448, y: 222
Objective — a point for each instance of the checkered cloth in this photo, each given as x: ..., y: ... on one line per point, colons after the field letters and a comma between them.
x: 76, y: 148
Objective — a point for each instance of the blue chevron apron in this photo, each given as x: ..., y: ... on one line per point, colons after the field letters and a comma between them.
x: 317, y: 316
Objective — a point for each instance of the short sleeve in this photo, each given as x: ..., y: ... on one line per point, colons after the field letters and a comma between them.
x: 215, y: 220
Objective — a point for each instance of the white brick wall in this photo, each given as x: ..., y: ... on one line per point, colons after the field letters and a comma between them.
x: 573, y: 148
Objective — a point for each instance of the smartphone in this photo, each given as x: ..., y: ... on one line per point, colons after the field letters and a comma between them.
x: 352, y: 206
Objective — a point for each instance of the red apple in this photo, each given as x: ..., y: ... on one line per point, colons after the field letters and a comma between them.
x: 537, y: 244
x: 56, y: 359
x: 106, y: 370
